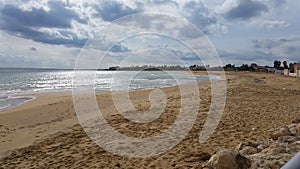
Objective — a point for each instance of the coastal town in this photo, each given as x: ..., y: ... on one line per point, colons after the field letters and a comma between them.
x: 283, y: 68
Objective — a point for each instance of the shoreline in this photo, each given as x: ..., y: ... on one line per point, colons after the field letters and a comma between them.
x: 16, y: 102
x: 26, y: 94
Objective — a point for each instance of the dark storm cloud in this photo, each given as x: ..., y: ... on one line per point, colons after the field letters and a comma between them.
x: 112, y: 10
x: 19, y: 22
x: 246, y: 9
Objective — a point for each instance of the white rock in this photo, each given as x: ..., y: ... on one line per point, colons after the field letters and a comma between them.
x: 227, y: 159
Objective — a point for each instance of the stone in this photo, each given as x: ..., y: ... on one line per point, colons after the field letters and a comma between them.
x: 276, y: 133
x: 287, y: 139
x: 296, y: 120
x: 262, y: 147
x: 273, y: 165
x: 246, y: 144
x: 227, y: 159
x: 292, y: 129
x: 239, y: 147
x: 298, y: 128
x: 249, y: 150
x: 118, y: 165
x: 275, y: 153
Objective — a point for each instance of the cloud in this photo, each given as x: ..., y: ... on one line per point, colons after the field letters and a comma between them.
x: 119, y: 48
x: 246, y: 57
x: 57, y: 17
x: 278, y: 3
x: 265, y: 44
x: 287, y: 47
x: 164, y: 2
x: 33, y: 24
x: 46, y: 37
x: 112, y: 10
x: 199, y: 15
x: 241, y: 9
x: 33, y: 49
x: 272, y: 43
x: 270, y: 24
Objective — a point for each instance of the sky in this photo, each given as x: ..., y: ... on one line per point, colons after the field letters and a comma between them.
x: 58, y: 34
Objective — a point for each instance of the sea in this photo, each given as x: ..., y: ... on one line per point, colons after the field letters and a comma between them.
x: 15, y: 82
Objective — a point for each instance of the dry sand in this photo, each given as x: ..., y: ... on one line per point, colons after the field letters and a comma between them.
x: 45, y: 133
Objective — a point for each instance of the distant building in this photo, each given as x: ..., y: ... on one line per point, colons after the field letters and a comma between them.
x: 297, y: 69
x: 260, y: 68
x: 293, y: 71
x: 114, y: 68
x: 271, y: 70
x: 286, y: 72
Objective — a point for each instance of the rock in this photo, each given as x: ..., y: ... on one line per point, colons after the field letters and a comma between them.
x: 276, y: 133
x: 249, y: 150
x: 298, y: 128
x: 239, y: 147
x: 227, y: 159
x: 262, y: 147
x: 292, y: 129
x: 296, y: 143
x: 296, y: 120
x: 287, y: 139
x: 246, y: 144
x: 273, y: 165
x: 118, y: 165
x: 275, y: 153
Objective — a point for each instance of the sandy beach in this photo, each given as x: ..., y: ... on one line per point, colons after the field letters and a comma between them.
x: 45, y: 132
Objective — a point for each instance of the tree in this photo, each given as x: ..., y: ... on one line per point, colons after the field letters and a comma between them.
x: 277, y: 64
x: 229, y: 67
x: 244, y: 67
x: 285, y: 65
x: 253, y: 66
x: 193, y: 67
x: 292, y: 67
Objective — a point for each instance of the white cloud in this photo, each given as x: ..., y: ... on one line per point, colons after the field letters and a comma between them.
x: 227, y: 6
x: 270, y: 23
x: 242, y: 10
